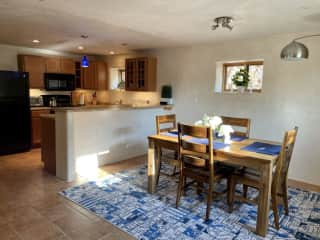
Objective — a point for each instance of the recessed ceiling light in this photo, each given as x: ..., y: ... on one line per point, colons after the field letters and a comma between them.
x: 111, y: 52
x: 36, y: 41
x: 124, y: 44
x: 80, y: 47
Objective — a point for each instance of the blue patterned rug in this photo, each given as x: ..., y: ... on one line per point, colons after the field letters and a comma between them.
x: 122, y: 200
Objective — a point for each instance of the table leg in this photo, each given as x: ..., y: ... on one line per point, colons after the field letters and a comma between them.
x: 264, y: 200
x: 152, y: 167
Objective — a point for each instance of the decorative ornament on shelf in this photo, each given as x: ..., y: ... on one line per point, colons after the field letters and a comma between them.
x: 241, y: 80
x: 166, y: 95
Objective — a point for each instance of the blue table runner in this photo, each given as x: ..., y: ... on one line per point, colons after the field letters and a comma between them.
x: 216, y: 145
x: 235, y: 138
x: 264, y: 148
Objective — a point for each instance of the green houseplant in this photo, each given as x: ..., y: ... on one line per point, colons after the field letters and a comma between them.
x: 241, y: 79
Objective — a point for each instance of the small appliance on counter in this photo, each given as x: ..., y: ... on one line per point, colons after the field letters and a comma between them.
x: 59, y: 82
x: 57, y: 100
x: 166, y: 95
x: 36, y: 101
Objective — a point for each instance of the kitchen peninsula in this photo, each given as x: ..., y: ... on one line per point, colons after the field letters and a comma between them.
x: 92, y: 136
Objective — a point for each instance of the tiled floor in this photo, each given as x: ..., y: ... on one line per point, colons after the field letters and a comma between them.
x: 30, y: 207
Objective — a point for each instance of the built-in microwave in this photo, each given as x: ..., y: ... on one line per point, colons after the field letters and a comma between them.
x: 59, y: 82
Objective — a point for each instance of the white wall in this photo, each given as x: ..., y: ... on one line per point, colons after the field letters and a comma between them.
x: 290, y: 93
x: 92, y: 138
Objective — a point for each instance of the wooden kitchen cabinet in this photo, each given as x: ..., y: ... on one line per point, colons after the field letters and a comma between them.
x: 67, y: 66
x: 95, y: 76
x: 53, y: 65
x: 35, y: 66
x: 60, y: 65
x: 48, y: 144
x: 102, y: 75
x: 36, y: 127
x: 88, y: 76
x: 141, y: 74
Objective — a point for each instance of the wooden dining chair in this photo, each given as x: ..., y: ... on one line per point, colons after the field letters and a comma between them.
x: 238, y: 122
x: 242, y: 126
x: 197, y: 161
x: 166, y: 123
x: 279, y: 187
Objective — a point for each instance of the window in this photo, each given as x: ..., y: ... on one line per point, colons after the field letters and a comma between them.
x: 255, y: 69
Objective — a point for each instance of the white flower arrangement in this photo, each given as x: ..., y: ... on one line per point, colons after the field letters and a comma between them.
x: 215, y: 122
x: 226, y: 130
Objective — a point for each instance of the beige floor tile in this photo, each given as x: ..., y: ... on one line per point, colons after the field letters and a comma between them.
x: 30, y: 207
x: 39, y: 230
x: 7, y: 233
x: 78, y: 226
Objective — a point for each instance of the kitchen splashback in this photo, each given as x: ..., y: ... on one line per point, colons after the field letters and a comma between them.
x: 111, y: 96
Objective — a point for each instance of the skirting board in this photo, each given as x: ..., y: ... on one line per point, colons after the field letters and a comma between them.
x: 303, y: 185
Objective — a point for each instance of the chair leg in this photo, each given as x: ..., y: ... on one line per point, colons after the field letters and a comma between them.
x: 275, y: 210
x: 209, y: 200
x: 174, y: 171
x: 285, y: 198
x: 159, y: 168
x: 199, y: 187
x: 228, y: 188
x: 245, y: 190
x: 231, y: 193
x: 179, y: 190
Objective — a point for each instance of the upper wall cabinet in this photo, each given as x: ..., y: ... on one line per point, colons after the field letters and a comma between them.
x: 35, y: 66
x: 67, y: 65
x: 53, y: 65
x: 95, y: 76
x: 60, y: 65
x: 141, y: 74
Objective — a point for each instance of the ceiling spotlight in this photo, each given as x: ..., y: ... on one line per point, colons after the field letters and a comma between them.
x: 124, y: 44
x: 84, y: 36
x: 222, y: 22
x: 36, y: 41
x: 111, y: 52
x: 80, y: 47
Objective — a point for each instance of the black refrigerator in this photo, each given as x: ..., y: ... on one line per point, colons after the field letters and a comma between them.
x: 15, y: 114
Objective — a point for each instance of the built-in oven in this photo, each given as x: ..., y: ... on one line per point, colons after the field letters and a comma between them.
x: 59, y: 82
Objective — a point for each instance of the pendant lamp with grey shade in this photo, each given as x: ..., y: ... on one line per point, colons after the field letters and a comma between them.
x: 296, y: 51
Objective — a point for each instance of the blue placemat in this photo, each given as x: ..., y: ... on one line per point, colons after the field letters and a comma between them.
x: 173, y: 133
x: 216, y: 145
x: 236, y: 138
x: 264, y: 148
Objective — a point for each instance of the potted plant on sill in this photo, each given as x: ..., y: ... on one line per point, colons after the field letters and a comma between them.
x: 241, y: 80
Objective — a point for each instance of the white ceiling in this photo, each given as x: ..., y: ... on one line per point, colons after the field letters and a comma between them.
x: 146, y: 24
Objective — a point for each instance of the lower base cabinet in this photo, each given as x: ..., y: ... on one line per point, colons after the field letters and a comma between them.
x: 36, y: 127
x: 48, y: 143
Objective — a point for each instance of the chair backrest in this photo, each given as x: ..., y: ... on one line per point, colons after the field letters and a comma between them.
x: 202, y: 149
x: 238, y: 122
x: 282, y: 168
x: 169, y: 119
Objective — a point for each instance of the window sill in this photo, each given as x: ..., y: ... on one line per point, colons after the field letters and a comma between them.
x: 238, y: 93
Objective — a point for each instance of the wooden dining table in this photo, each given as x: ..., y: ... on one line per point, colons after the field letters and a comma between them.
x: 232, y: 154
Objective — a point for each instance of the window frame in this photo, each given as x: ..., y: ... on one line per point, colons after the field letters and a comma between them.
x: 247, y: 64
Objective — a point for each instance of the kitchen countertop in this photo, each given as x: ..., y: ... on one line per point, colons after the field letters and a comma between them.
x: 51, y: 116
x: 103, y: 107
